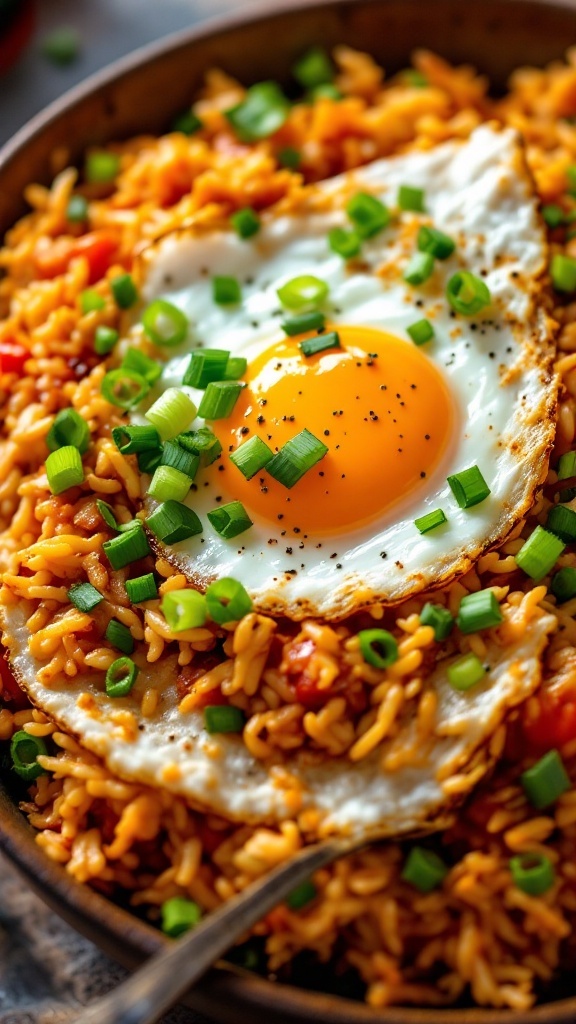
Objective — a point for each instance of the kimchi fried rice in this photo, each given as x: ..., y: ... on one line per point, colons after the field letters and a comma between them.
x: 477, y: 934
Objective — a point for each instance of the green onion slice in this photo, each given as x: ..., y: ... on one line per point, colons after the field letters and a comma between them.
x: 420, y: 268
x: 202, y: 442
x: 223, y: 718
x: 313, y: 320
x: 25, y: 751
x: 261, y: 113
x: 563, y: 273
x: 230, y: 520
x: 346, y: 244
x: 124, y: 388
x: 410, y: 198
x: 164, y: 323
x: 430, y: 521
x: 206, y: 365
x: 91, y: 301
x: 539, y: 554
x: 69, y: 428
x: 378, y: 647
x: 567, y: 469
x: 101, y: 167
x: 322, y: 342
x: 246, y: 222
x: 468, y: 487
x: 169, y: 484
x: 479, y: 611
x: 149, y: 461
x: 563, y: 584
x: 424, y: 869
x: 64, y: 469
x: 532, y: 873
x: 124, y: 291
x: 131, y: 439
x: 368, y: 214
x: 304, y: 290
x: 138, y: 361
x: 302, y: 895
x: 142, y: 588
x: 172, y: 522
x: 187, y: 122
x: 172, y: 413
x: 545, y: 781
x: 119, y: 636
x: 439, y: 618
x: 105, y: 339
x: 467, y: 294
x: 226, y: 291
x: 553, y: 215
x: 562, y: 521
x: 179, y: 915
x: 313, y: 68
x: 296, y: 457
x: 184, y: 609
x: 128, y: 547
x: 120, y: 677
x: 84, y: 596
x: 77, y: 209
x: 227, y: 601
x: 435, y: 242
x: 252, y: 456
x: 179, y: 458
x: 219, y: 399
x: 290, y: 158
x: 466, y: 672
x: 235, y: 368
x: 420, y: 332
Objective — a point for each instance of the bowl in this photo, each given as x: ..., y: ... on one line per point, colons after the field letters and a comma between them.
x: 140, y: 94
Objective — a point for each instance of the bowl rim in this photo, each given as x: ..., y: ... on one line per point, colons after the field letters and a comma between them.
x: 127, y: 938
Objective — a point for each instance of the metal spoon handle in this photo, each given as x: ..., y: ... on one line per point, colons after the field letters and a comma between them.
x: 160, y: 982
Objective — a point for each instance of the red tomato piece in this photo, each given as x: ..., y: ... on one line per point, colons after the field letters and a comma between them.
x: 554, y: 726
x: 12, y: 357
x: 10, y: 691
x: 98, y: 247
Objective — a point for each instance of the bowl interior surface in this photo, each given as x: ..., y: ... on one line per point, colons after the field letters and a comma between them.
x: 141, y: 94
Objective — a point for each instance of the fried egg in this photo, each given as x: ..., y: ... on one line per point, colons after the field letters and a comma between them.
x: 397, y: 418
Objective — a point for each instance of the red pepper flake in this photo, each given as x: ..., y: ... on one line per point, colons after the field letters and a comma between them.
x: 12, y: 357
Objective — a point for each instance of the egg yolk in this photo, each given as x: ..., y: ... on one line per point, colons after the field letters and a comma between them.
x: 378, y: 403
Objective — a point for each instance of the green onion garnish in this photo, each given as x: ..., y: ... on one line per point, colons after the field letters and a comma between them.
x: 421, y: 332
x: 169, y: 484
x: 179, y: 915
x: 479, y: 611
x: 571, y: 179
x: 246, y: 222
x: 124, y: 291
x: 424, y: 869
x: 61, y: 45
x: 563, y: 273
x: 289, y: 157
x: 235, y: 368
x: 346, y: 244
x: 252, y: 456
x: 141, y: 589
x: 172, y: 413
x: 203, y: 443
x: 164, y: 323
x: 553, y: 215
x: 420, y: 268
x: 261, y: 113
x: 69, y: 428
x: 563, y: 584
x: 312, y: 346
x: 305, y: 290
x: 223, y: 718
x: 466, y: 672
x: 439, y: 618
x: 105, y: 339
x: 467, y: 294
x: 435, y: 242
x: 230, y: 520
x: 313, y: 68
x: 430, y: 521
x: 410, y: 198
x: 184, y: 609
x: 64, y: 469
x: 149, y: 461
x: 532, y: 873
x: 77, y: 210
x: 107, y: 513
x: 128, y: 547
x: 139, y: 362
x: 226, y: 291
x: 205, y: 366
x: 378, y: 647
x: 468, y: 487
x: 227, y: 601
x: 219, y: 399
x: 180, y: 458
x: 538, y: 555
x: 119, y: 636
x: 84, y: 596
x: 101, y: 168
x: 545, y: 781
x: 296, y: 457
x: 368, y: 214
x: 562, y: 521
x: 187, y: 122
x: 326, y: 91
x: 172, y: 522
x: 415, y: 79
x: 24, y: 751
x: 120, y: 677
x: 131, y: 439
x: 567, y: 469
x: 124, y: 388
x: 91, y: 301
x: 302, y: 895
x: 314, y: 320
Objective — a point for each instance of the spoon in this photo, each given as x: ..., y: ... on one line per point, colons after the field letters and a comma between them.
x: 160, y: 982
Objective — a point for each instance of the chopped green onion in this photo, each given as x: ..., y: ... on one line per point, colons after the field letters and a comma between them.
x: 202, y: 442
x: 227, y: 601
x: 420, y: 268
x: 479, y: 611
x: 124, y: 291
x: 532, y: 873
x: 312, y: 346
x: 302, y: 895
x: 251, y: 456
x: 424, y: 869
x: 124, y: 388
x: 206, y: 365
x: 140, y: 363
x: 226, y: 291
x: 84, y: 596
x: 313, y: 68
x: 235, y: 368
x: 187, y: 122
x: 172, y: 522
x: 261, y: 113
x: 149, y: 461
x: 368, y: 214
x: 414, y: 78
x: 305, y: 290
x: 314, y: 320
x: 430, y: 521
x: 553, y: 215
x: 466, y: 672
x: 179, y: 915
x: 410, y: 198
x: 545, y: 781
x: 246, y: 222
x: 421, y: 332
x: 184, y: 609
x: 120, y: 677
x: 128, y: 547
x: 101, y: 168
x: 91, y: 301
x: 119, y: 636
x: 327, y: 91
x: 107, y: 514
x: 141, y: 589
x: 567, y: 469
x: 538, y: 555
x: 435, y: 242
x: 296, y: 457
x: 172, y: 413
x: 180, y: 458
x: 563, y: 584
x: 468, y: 487
x: 439, y: 618
x: 378, y: 647
x: 69, y: 428
x: 77, y: 210
x: 467, y: 294
x: 164, y: 323
x: 25, y: 751
x: 571, y: 178
x: 131, y: 439
x: 223, y: 718
x: 344, y: 243
x: 61, y: 45
x: 64, y: 469
x: 290, y: 158
x: 169, y: 484
x: 562, y: 521
x: 105, y: 339
x: 219, y: 399
x: 563, y: 273
x: 230, y: 520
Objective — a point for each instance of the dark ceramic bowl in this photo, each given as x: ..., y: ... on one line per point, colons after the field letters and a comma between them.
x: 141, y: 94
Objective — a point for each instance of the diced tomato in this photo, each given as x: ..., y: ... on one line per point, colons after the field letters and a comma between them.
x: 554, y: 725
x: 12, y: 357
x: 11, y: 692
x: 97, y: 247
x: 188, y: 676
x: 308, y: 693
